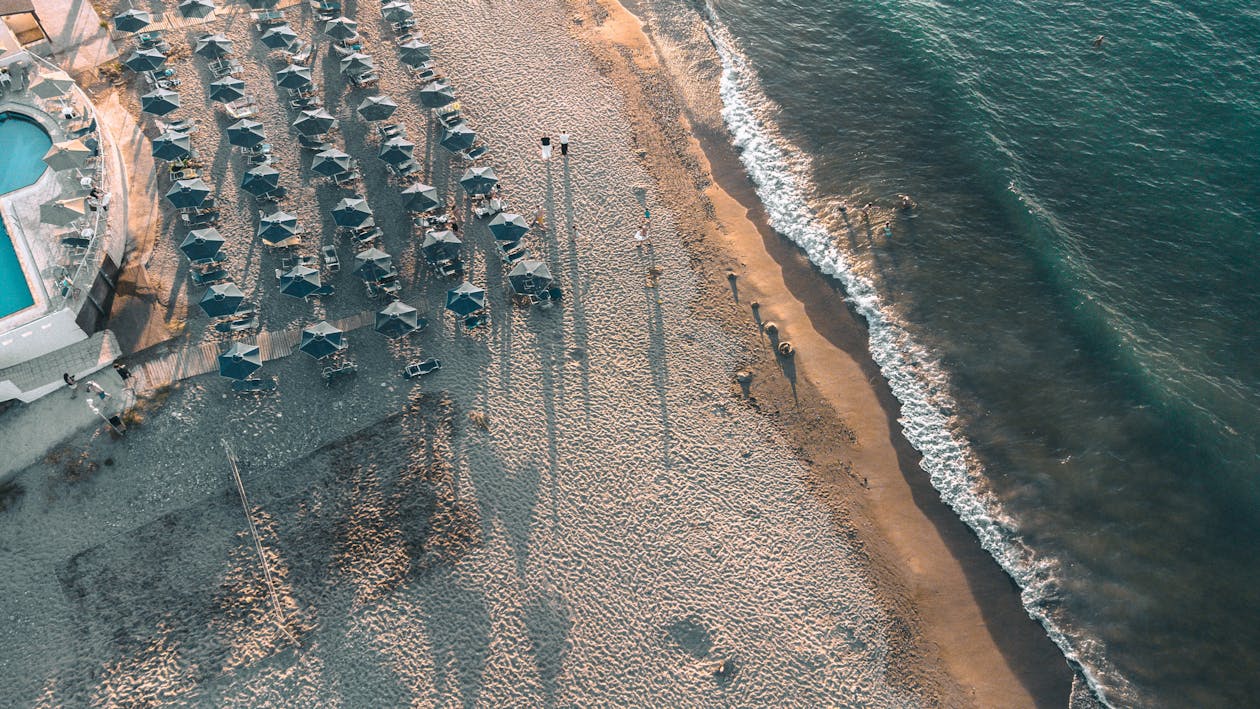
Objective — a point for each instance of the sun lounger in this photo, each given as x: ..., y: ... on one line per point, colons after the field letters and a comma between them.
x: 331, y: 261
x: 332, y: 374
x: 77, y: 242
x: 148, y: 39
x: 183, y: 125
x: 347, y: 178
x: 365, y: 80
x: 265, y: 19
x: 224, y: 67
x: 292, y: 261
x: 475, y: 152
x: 205, y: 278
x: 419, y: 369
x: 303, y: 102
x: 300, y: 53
x: 264, y: 385
x: 474, y: 321
x: 316, y: 145
x: 201, y: 218
x: 206, y: 263
x: 364, y: 237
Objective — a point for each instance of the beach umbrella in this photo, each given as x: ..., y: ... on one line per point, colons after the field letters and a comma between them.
x: 479, y: 180
x: 439, y: 245
x: 436, y: 94
x: 466, y: 299
x: 67, y: 155
x: 330, y: 163
x: 420, y: 198
x: 312, y: 122
x: 213, y: 46
x: 261, y: 180
x: 396, y: 150
x: 342, y: 29
x: 188, y: 194
x: 202, y: 244
x: 352, y: 212
x: 261, y: 4
x: 239, y: 361
x: 321, y: 339
x: 529, y: 277
x: 279, y: 37
x: 508, y: 227
x: 294, y: 77
x: 143, y: 60
x: 356, y: 64
x: 415, y: 53
x: 277, y: 227
x: 52, y: 85
x: 62, y: 212
x: 159, y: 102
x: 458, y: 137
x: 196, y: 8
x: 397, y: 319
x: 377, y: 108
x: 227, y: 89
x: 221, y: 300
x: 397, y: 11
x: 132, y: 20
x: 300, y: 282
x: 172, y: 145
x: 245, y: 133
x: 373, y: 264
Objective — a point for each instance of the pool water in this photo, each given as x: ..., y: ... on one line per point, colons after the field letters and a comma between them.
x: 23, y: 144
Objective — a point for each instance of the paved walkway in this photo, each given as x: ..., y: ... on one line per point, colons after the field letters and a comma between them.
x: 78, y: 40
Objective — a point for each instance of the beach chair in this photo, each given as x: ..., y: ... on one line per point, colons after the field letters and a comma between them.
x: 224, y: 67
x: 265, y: 19
x: 183, y: 125
x: 145, y: 40
x: 302, y: 102
x: 335, y: 373
x: 331, y: 261
x: 300, y: 53
x: 262, y: 385
x: 449, y: 114
x: 475, y: 320
x: 208, y: 277
x: 238, y: 322
x: 347, y: 178
x: 76, y: 242
x: 391, y: 130
x: 365, y: 80
x: 475, y: 152
x: 365, y: 237
x: 419, y: 369
x: 200, y: 218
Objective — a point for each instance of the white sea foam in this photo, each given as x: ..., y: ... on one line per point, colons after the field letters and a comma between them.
x: 915, y: 378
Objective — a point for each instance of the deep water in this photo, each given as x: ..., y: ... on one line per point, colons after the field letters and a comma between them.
x: 1076, y: 291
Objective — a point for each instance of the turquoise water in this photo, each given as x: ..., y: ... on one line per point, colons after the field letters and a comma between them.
x: 1069, y: 316
x: 22, y: 147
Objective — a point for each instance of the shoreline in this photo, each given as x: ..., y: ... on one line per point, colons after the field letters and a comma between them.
x: 965, y: 609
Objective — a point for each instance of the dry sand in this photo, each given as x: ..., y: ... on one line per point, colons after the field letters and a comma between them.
x: 628, y: 525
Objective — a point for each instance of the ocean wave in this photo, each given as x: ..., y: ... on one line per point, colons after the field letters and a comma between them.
x: 917, y: 381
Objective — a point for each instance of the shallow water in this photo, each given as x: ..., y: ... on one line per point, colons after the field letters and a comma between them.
x: 1074, y: 296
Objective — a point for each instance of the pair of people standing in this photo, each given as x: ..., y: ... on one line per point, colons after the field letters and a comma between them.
x: 546, y: 146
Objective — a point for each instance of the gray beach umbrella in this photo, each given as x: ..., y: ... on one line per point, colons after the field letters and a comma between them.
x: 397, y: 11
x: 331, y: 163
x: 396, y: 150
x: 227, y: 89
x: 352, y: 213
x: 245, y: 133
x: 221, y: 300
x: 67, y: 155
x: 377, y: 108
x: 458, y: 137
x: 312, y: 122
x: 276, y: 227
x: 202, y: 244
x: 52, y: 85
x: 62, y: 212
x: 438, y: 245
x: 466, y: 299
x: 143, y: 60
x: 196, y: 8
x: 172, y: 145
x: 529, y: 277
x: 261, y: 180
x: 373, y: 264
x: 356, y: 64
x: 508, y: 227
x: 415, y: 53
x: 436, y: 94
x: 397, y: 319
x: 341, y: 29
x: 294, y: 77
x: 261, y: 4
x: 239, y: 361
x: 132, y: 20
x: 300, y: 282
x: 213, y: 46
x: 279, y: 37
x: 159, y: 102
x: 478, y: 180
x: 188, y: 194
x: 420, y: 198
x: 321, y: 339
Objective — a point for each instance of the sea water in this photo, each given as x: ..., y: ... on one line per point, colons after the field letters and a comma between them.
x: 1069, y: 314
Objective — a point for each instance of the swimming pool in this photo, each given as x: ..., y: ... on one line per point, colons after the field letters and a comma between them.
x: 23, y: 144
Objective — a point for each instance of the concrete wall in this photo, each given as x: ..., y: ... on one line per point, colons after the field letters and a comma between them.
x: 39, y: 337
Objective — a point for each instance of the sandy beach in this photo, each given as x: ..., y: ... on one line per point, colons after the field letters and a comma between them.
x: 633, y: 526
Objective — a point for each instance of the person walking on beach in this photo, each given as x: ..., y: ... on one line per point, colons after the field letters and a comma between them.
x: 98, y: 390
x: 71, y: 382
x: 540, y: 218
x: 564, y: 144
x: 546, y: 147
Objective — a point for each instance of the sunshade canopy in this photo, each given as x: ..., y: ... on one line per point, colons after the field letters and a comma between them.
x: 529, y: 277
x: 239, y: 361
x: 188, y: 194
x: 436, y: 94
x: 300, y: 282
x: 294, y: 76
x: 508, y: 227
x: 279, y: 37
x: 377, y: 108
x: 260, y: 180
x: 221, y: 300
x: 145, y: 60
x: 196, y: 8
x: 245, y: 133
x: 396, y: 150
x: 159, y: 102
x: 466, y: 299
x: 397, y: 319
x: 420, y: 198
x: 227, y: 89
x: 132, y: 20
x: 331, y: 163
x: 213, y: 46
x: 352, y: 212
x: 322, y: 339
x: 67, y: 155
x: 202, y: 244
x: 341, y: 28
x: 478, y: 180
